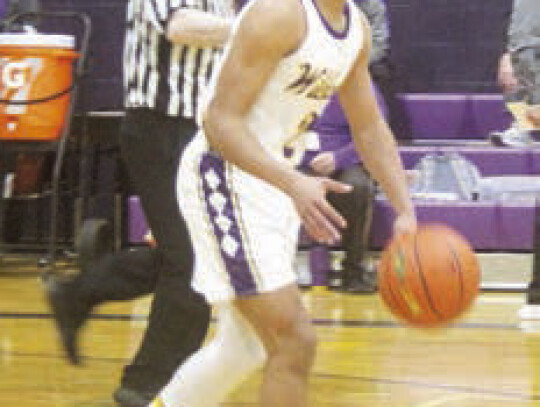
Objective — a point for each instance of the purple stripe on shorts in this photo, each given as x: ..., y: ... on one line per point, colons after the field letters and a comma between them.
x: 226, y: 229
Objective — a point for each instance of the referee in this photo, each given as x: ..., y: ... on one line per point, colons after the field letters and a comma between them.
x: 171, y: 49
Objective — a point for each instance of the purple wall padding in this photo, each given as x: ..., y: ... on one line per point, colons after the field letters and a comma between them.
x: 452, y: 116
x: 3, y: 8
x: 136, y: 221
x: 319, y: 264
x: 491, y: 161
x: 489, y: 113
x: 432, y: 116
x: 487, y: 225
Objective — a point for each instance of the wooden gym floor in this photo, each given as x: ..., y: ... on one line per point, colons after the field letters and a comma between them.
x: 365, y: 358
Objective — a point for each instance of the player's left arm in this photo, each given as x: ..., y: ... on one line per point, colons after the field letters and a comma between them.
x: 374, y: 140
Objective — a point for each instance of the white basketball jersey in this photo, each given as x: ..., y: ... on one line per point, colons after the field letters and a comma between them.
x: 244, y: 230
x: 303, y: 81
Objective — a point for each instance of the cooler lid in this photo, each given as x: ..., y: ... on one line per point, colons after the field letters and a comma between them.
x: 38, y: 40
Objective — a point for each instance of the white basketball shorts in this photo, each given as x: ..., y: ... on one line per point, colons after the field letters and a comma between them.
x: 244, y: 231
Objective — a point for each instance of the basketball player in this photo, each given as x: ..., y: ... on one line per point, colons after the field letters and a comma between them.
x: 243, y: 201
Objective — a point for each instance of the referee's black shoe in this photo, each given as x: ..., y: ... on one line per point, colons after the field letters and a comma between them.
x: 69, y: 314
x: 126, y: 397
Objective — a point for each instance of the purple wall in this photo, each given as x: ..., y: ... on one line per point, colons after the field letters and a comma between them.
x: 3, y: 8
x: 438, y: 45
x: 103, y: 86
x: 447, y: 45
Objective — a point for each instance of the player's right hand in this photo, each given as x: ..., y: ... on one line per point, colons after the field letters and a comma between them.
x: 533, y: 114
x: 405, y: 224
x: 321, y: 221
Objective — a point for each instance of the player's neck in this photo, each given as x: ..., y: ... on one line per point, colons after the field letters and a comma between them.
x: 332, y: 11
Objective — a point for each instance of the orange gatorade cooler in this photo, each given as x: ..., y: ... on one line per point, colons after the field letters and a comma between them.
x: 34, y: 67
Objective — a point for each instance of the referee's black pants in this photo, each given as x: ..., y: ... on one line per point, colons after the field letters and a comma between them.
x: 151, y: 144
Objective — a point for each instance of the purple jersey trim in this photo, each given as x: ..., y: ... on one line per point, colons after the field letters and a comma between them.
x: 336, y: 34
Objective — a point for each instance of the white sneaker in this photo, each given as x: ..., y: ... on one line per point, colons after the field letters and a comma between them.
x: 512, y: 137
x: 529, y: 316
x: 529, y: 312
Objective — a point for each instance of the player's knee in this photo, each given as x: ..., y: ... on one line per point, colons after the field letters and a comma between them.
x: 307, y: 340
x: 361, y: 183
x: 254, y: 355
x: 304, y: 349
x: 297, y: 345
x: 365, y: 191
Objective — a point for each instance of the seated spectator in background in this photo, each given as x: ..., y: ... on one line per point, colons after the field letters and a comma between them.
x: 519, y: 72
x: 330, y: 152
x: 380, y: 65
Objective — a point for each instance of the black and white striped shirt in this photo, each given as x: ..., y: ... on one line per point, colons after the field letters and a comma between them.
x: 161, y: 75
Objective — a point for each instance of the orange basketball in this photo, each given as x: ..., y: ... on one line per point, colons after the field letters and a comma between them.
x: 428, y: 278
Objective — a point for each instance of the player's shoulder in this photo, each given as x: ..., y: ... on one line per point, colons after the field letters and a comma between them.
x: 286, y: 10
x: 278, y: 16
x: 281, y: 20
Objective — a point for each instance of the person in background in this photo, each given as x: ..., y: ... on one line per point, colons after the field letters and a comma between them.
x: 330, y: 152
x: 519, y: 73
x: 381, y: 65
x: 169, y: 54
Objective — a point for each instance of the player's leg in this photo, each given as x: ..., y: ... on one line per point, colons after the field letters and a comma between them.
x: 206, y: 378
x: 244, y: 253
x: 285, y: 329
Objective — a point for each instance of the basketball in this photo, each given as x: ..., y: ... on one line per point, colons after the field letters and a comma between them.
x: 429, y: 278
